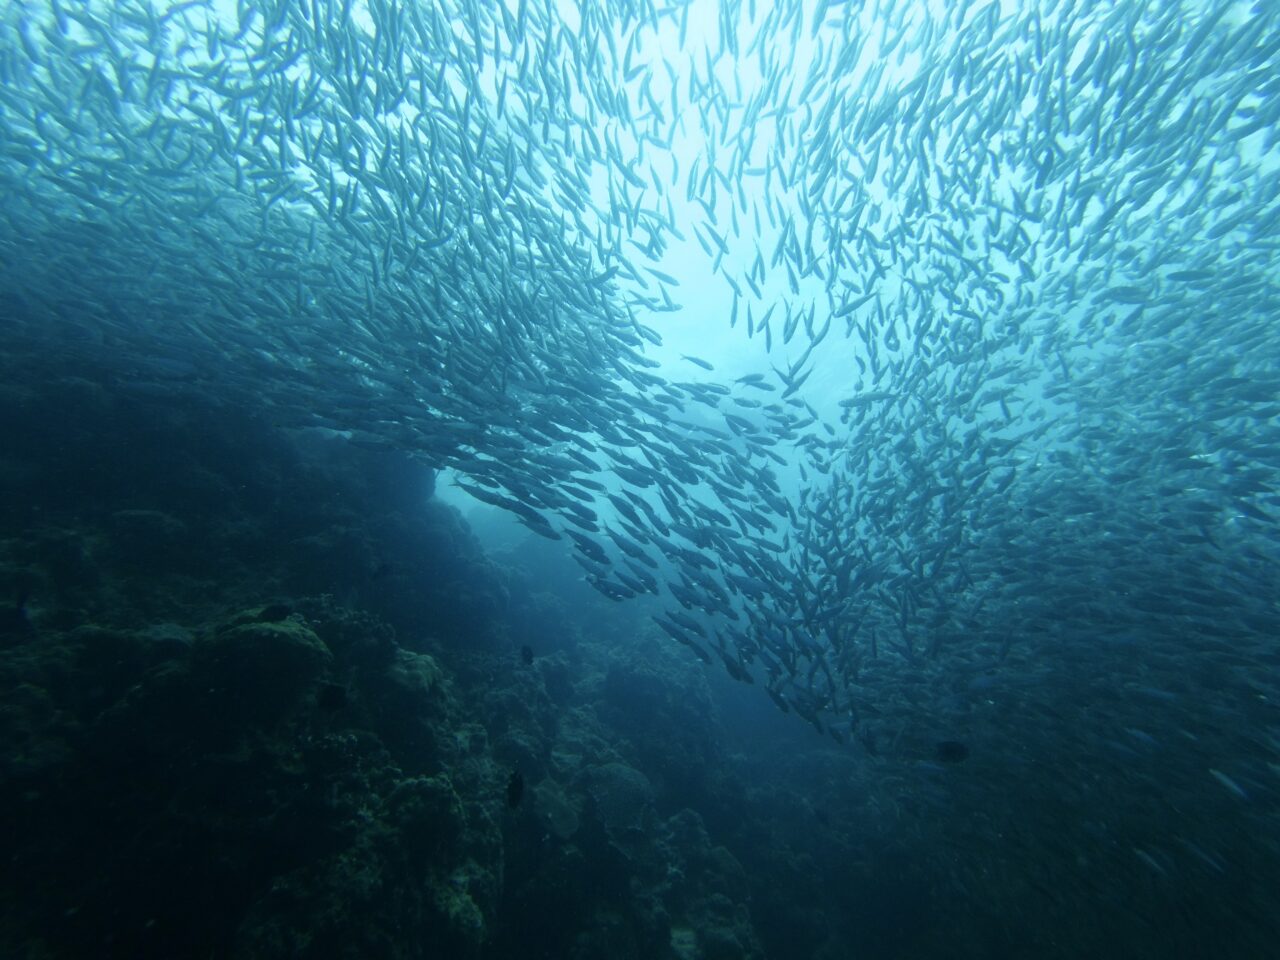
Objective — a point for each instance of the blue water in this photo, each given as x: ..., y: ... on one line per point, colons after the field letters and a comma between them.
x: 609, y: 479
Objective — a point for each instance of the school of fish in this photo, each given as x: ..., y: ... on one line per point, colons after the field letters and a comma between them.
x: 1039, y: 240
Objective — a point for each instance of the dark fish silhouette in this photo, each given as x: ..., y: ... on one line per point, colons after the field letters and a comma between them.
x: 526, y: 654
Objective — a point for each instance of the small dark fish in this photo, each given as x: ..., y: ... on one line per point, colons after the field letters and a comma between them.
x: 698, y: 362
x: 951, y: 751
x: 515, y: 789
x: 603, y: 278
x: 526, y: 655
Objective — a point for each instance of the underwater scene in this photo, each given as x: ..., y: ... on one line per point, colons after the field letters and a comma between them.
x: 640, y: 479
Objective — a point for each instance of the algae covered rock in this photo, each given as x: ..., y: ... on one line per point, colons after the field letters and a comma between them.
x: 428, y: 816
x: 168, y: 640
x: 453, y: 864
x: 461, y: 920
x: 261, y: 669
x: 407, y: 700
x: 414, y: 676
x: 556, y: 810
x: 684, y: 943
x: 623, y: 798
x: 35, y: 730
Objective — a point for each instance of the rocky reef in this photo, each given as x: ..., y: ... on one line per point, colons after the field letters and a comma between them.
x: 264, y: 697
x: 263, y: 694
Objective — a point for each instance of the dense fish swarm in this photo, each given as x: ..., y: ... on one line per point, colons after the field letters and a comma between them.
x: 1046, y: 233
